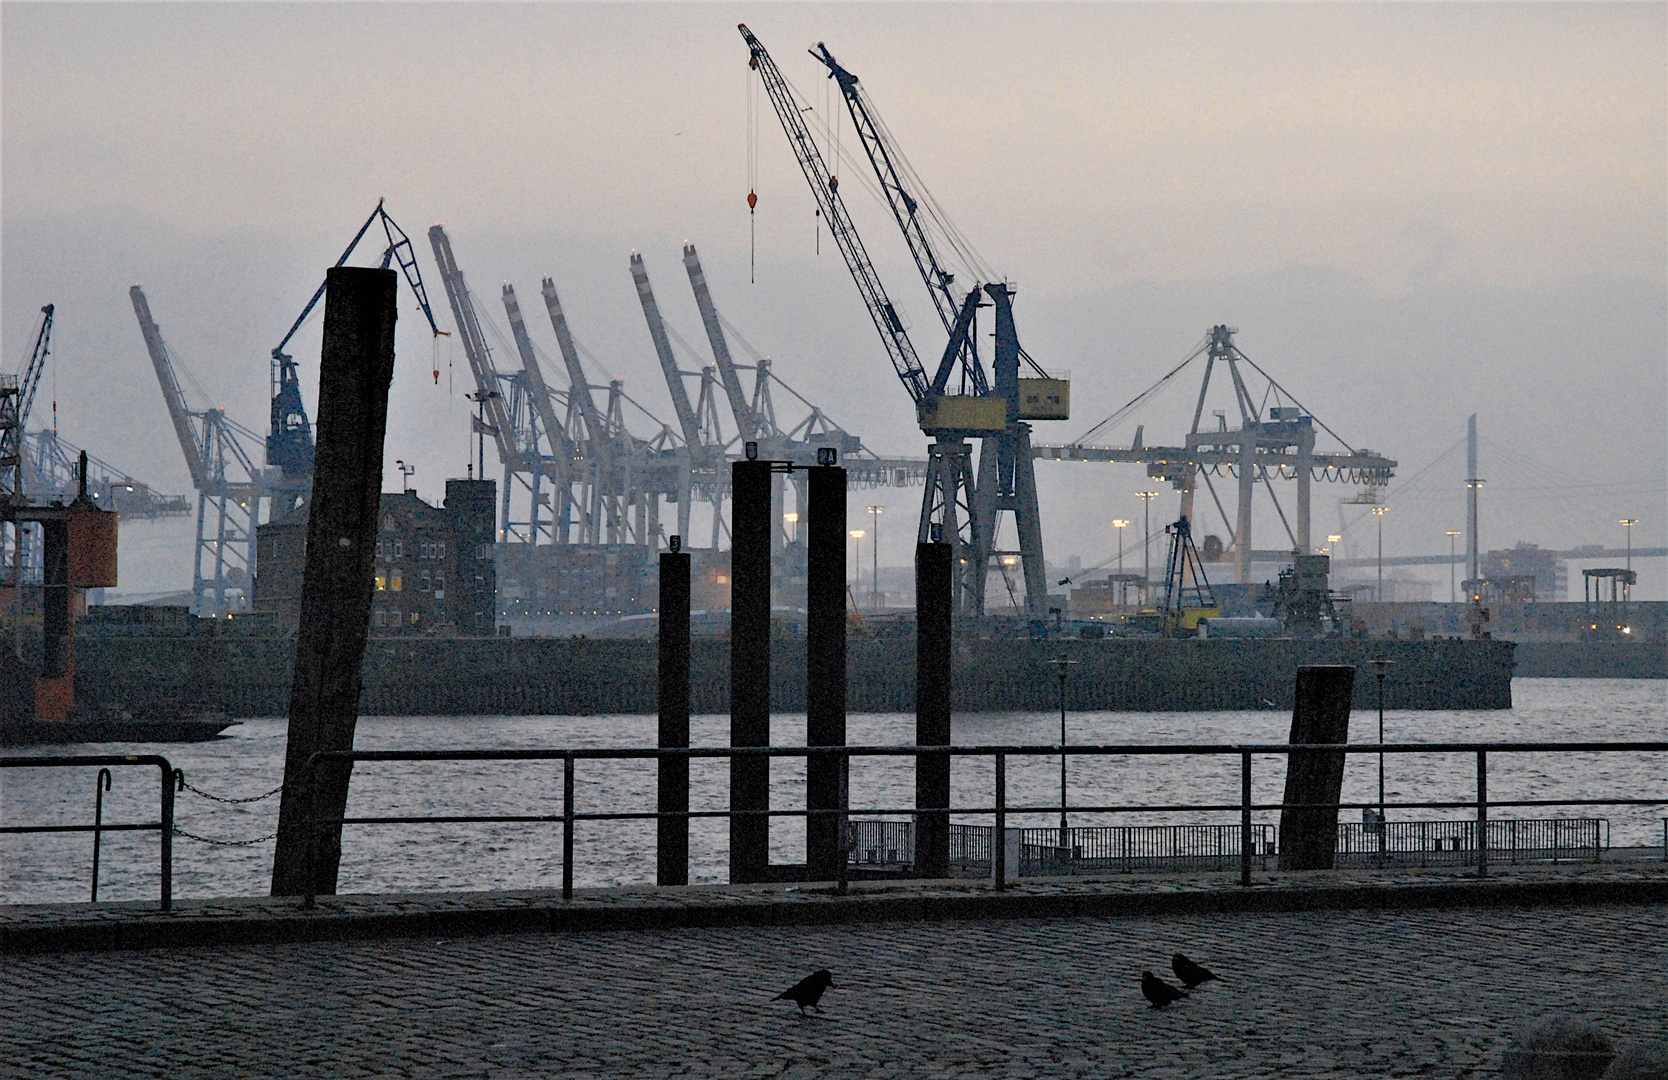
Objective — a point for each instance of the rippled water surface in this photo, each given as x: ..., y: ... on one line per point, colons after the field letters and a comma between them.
x: 249, y: 760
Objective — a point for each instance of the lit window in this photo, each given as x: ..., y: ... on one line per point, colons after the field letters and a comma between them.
x: 381, y: 584
x: 414, y: 618
x: 394, y: 580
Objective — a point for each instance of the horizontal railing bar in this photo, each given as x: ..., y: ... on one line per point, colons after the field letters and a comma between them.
x: 134, y: 827
x: 626, y: 753
x: 86, y: 759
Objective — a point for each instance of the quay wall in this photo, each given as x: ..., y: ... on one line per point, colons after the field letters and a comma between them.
x: 591, y: 676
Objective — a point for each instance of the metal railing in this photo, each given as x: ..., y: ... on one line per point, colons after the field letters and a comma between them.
x: 1454, y: 843
x: 1096, y: 849
x: 164, y: 825
x: 1480, y: 804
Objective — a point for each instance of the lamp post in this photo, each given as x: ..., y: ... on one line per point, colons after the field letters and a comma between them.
x: 857, y: 536
x: 482, y: 427
x: 791, y: 519
x: 1453, y: 589
x: 1123, y: 586
x: 1146, y: 498
x: 1629, y: 523
x: 874, y: 554
x: 1380, y: 667
x: 1062, y: 665
x: 1379, y: 512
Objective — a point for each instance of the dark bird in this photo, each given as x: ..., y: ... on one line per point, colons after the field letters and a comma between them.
x: 1191, y: 974
x: 1159, y: 992
x: 808, y: 991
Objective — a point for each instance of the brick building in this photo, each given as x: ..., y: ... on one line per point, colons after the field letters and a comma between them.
x: 433, y: 573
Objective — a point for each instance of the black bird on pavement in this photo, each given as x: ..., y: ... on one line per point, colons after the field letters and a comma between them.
x: 808, y: 991
x: 1191, y: 974
x: 1159, y: 992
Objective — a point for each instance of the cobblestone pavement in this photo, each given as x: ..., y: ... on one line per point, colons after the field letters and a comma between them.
x: 1427, y: 993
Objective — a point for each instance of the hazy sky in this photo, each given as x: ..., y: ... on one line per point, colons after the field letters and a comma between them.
x: 1411, y: 213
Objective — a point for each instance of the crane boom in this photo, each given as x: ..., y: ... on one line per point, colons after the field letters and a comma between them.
x: 475, y: 348
x: 172, y: 396
x: 37, y: 364
x: 562, y: 451
x: 687, y: 420
x: 905, y: 207
x: 579, y: 388
x: 881, y: 309
x: 747, y: 421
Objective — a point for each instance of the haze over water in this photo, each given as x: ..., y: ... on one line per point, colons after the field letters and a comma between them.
x: 249, y: 761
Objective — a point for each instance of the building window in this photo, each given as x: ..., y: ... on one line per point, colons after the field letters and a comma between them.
x: 379, y: 547
x: 394, y: 580
x: 393, y: 617
x: 378, y: 617
x: 423, y: 550
x: 415, y: 618
x: 381, y: 582
x: 398, y: 546
x: 427, y: 585
x: 441, y: 553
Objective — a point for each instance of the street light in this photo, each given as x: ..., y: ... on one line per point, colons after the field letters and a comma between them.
x: 857, y: 558
x: 1380, y: 667
x: 1063, y: 666
x: 1123, y: 586
x: 792, y: 520
x: 1146, y: 498
x: 1629, y: 523
x: 1379, y: 512
x: 1453, y: 589
x: 874, y: 554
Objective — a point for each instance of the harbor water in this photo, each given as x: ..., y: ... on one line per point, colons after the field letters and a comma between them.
x: 248, y: 761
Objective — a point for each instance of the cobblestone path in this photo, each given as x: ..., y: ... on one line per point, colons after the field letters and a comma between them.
x: 1428, y: 993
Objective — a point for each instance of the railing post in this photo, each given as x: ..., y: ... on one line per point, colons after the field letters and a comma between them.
x: 999, y: 835
x: 1245, y: 819
x: 167, y: 816
x: 845, y: 823
x: 101, y: 784
x: 567, y: 826
x: 1482, y: 813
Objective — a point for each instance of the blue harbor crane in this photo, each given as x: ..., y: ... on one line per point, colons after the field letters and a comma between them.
x: 966, y: 508
x: 289, y: 442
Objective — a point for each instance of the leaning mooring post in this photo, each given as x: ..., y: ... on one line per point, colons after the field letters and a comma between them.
x: 1309, y: 834
x: 825, y: 664
x: 750, y: 527
x: 356, y: 367
x: 672, y: 834
x: 933, y: 602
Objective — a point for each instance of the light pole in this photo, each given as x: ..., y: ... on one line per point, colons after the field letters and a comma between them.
x: 1063, y: 665
x: 1123, y: 586
x: 482, y: 427
x: 1629, y: 523
x: 1146, y: 498
x: 1453, y: 589
x: 857, y: 536
x: 874, y: 554
x: 791, y: 518
x: 1380, y: 667
x: 1379, y: 512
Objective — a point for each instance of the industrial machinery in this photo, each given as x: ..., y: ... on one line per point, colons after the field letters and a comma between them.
x: 17, y: 394
x: 233, y: 493
x: 289, y: 441
x: 1187, y: 593
x: 964, y: 508
x: 1272, y: 441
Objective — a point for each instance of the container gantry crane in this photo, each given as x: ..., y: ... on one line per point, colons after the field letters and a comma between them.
x: 229, y: 484
x: 289, y: 441
x: 965, y: 508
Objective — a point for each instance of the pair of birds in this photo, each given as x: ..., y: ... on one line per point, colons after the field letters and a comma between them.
x: 1192, y: 975
x: 807, y: 992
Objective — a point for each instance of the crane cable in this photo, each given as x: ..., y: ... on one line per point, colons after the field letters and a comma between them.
x: 752, y: 171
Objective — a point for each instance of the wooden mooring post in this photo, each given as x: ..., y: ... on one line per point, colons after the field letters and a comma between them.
x: 355, y: 370
x: 1315, y: 778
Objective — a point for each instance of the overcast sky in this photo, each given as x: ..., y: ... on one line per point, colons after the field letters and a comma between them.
x: 1411, y: 213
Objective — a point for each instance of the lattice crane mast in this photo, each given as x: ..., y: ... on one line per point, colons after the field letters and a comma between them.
x: 289, y: 441
x: 15, y: 402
